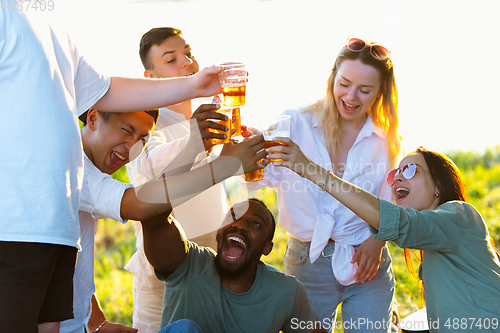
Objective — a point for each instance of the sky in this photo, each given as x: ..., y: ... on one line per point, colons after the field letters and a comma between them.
x: 444, y: 53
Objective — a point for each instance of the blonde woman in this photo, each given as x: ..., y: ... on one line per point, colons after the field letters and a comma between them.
x: 353, y: 132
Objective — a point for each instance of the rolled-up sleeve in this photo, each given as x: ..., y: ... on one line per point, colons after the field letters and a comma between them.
x: 446, y: 228
x: 389, y: 222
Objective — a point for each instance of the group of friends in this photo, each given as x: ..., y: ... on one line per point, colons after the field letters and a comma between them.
x: 198, y: 264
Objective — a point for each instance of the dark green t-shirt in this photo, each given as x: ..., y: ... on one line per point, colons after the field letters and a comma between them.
x: 275, y: 302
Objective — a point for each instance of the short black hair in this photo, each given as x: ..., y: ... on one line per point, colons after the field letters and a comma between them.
x: 272, y: 217
x: 155, y: 36
x: 155, y: 113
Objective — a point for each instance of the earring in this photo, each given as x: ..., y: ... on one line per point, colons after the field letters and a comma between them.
x: 437, y: 194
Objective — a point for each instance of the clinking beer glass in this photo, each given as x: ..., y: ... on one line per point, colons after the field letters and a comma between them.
x: 233, y: 79
x: 228, y: 112
x: 278, y: 127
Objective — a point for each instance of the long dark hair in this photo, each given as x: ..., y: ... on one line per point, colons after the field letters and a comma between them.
x: 451, y: 185
x: 445, y: 175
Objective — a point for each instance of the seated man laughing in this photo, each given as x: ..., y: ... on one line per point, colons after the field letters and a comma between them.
x: 233, y: 290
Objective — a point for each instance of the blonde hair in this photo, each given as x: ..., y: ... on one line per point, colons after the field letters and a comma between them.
x: 384, y: 111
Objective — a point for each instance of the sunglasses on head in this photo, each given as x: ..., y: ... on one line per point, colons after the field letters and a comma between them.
x: 408, y: 171
x: 377, y: 51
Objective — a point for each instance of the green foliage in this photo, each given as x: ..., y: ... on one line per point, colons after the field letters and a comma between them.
x: 115, y: 243
x: 121, y: 175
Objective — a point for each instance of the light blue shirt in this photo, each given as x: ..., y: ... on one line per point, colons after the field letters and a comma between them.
x: 461, y: 271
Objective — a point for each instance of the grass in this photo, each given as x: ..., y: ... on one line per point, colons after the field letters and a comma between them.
x: 115, y: 243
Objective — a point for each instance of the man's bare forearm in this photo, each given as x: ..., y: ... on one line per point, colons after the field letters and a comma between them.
x: 133, y: 95
x: 164, y: 243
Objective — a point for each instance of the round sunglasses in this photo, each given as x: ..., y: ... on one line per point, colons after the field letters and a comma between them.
x: 377, y: 51
x: 408, y: 171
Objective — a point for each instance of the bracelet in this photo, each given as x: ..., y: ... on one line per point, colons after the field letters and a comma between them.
x: 100, y: 326
x: 323, y: 185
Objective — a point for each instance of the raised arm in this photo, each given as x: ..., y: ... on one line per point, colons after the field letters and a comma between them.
x: 362, y: 203
x: 178, y: 156
x: 132, y: 95
x: 162, y: 195
x: 164, y: 243
x: 198, y: 140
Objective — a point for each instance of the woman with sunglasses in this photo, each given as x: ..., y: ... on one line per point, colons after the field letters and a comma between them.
x: 460, y: 269
x: 353, y: 132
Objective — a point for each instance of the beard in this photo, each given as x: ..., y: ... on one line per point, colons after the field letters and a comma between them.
x: 231, y: 271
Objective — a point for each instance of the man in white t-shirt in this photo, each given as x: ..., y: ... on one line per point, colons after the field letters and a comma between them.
x: 165, y: 53
x: 101, y: 197
x: 45, y: 83
x: 110, y: 140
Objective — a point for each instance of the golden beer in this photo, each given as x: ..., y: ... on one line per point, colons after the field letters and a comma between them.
x: 234, y: 95
x: 254, y: 175
x: 237, y: 123
x: 273, y: 143
x: 226, y: 123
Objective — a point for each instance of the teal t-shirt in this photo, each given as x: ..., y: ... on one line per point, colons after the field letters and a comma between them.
x: 461, y: 272
x: 275, y: 302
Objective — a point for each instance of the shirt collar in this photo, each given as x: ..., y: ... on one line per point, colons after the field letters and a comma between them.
x: 369, y: 127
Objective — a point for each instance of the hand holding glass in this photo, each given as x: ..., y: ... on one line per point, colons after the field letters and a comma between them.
x: 228, y: 112
x: 272, y: 129
x: 279, y: 127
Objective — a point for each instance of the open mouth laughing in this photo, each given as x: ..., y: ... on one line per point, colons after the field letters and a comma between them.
x: 117, y: 159
x: 349, y: 107
x: 401, y: 193
x: 234, y: 248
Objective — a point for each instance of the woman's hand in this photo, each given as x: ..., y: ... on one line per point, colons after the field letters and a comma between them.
x: 368, y: 256
x: 293, y: 158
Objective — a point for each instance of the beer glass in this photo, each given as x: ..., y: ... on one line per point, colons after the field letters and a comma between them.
x: 236, y: 124
x: 228, y: 112
x: 233, y: 79
x: 254, y: 175
x: 278, y: 127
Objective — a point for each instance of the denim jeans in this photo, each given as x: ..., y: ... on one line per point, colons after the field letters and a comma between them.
x: 182, y: 326
x: 366, y: 307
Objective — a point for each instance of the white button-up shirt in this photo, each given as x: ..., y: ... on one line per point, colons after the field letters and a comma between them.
x: 313, y: 216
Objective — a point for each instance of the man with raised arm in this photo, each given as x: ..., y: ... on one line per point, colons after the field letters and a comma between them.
x: 231, y: 290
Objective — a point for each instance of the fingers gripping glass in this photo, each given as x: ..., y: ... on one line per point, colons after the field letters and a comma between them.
x: 408, y: 171
x: 377, y: 51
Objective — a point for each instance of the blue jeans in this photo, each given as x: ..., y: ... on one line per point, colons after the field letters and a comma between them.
x: 366, y: 307
x: 182, y: 326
